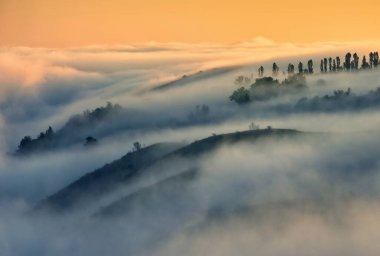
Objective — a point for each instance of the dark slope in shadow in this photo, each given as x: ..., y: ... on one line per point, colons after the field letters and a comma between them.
x: 154, y: 159
x: 103, y: 180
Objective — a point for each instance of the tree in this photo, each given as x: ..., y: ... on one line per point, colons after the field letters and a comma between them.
x: 240, y: 96
x: 347, y: 62
x: 334, y: 65
x: 275, y: 69
x: 49, y: 132
x: 290, y: 69
x: 371, y: 55
x: 261, y: 71
x: 300, y: 68
x: 356, y: 61
x: 325, y: 64
x: 321, y: 66
x: 330, y: 64
x: 90, y: 141
x: 25, y: 143
x: 338, y: 67
x: 136, y: 146
x: 365, y: 64
x: 310, y: 66
x: 376, y: 59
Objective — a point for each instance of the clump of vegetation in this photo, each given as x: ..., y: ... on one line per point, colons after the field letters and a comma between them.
x: 89, y: 118
x: 90, y: 142
x: 241, y: 96
x: 136, y: 146
x: 266, y: 88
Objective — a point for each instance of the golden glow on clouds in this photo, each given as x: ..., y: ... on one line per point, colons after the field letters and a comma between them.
x: 82, y: 22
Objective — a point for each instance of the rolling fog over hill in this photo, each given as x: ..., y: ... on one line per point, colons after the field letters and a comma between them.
x: 147, y: 154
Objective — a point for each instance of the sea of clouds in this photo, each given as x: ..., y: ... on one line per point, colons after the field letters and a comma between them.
x: 276, y: 198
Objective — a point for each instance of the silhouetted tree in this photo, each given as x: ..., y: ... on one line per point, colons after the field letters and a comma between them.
x: 338, y: 67
x: 137, y: 146
x: 356, y: 61
x: 90, y: 141
x: 240, y: 96
x: 334, y: 65
x: 330, y: 64
x: 371, y: 59
x: 49, y: 132
x: 310, y: 66
x: 376, y: 59
x: 325, y: 64
x: 365, y: 64
x: 25, y: 143
x: 275, y: 69
x: 347, y: 62
x: 321, y: 66
x: 261, y: 71
x: 300, y: 68
x: 290, y: 69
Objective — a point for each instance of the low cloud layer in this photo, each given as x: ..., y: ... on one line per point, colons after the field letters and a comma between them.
x: 272, y: 198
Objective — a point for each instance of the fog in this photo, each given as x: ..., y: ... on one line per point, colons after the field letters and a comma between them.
x: 319, y: 193
x: 314, y: 194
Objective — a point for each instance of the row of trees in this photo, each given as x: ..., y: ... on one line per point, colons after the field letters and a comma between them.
x: 291, y: 69
x: 351, y: 62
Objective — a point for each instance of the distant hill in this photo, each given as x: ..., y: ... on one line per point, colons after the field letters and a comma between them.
x: 75, y: 130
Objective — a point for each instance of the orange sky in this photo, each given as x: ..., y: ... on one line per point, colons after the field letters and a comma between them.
x: 69, y: 23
